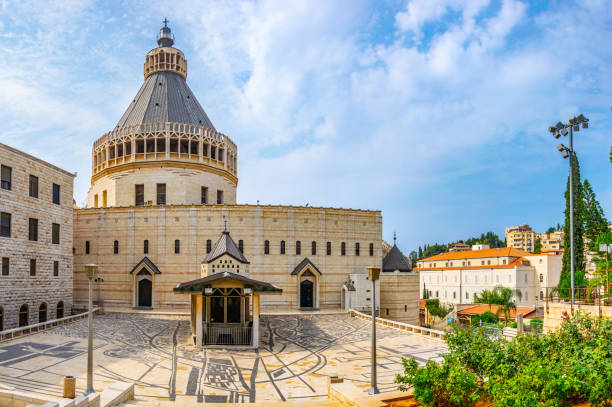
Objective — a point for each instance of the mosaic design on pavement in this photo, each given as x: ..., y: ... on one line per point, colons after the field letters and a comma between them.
x: 297, y: 354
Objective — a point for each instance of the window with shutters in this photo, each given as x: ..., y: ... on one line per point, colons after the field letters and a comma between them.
x: 6, y: 177
x: 219, y: 197
x: 139, y: 195
x: 204, y: 195
x: 56, y: 194
x: 33, y: 186
x: 161, y: 194
x: 5, y: 266
x: 5, y: 224
x: 33, y: 229
x: 55, y: 233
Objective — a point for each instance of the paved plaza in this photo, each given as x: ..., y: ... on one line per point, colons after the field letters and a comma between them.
x: 297, y: 355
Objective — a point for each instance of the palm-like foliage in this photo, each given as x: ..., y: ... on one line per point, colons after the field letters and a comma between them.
x: 503, y: 297
x: 505, y: 300
x: 486, y: 297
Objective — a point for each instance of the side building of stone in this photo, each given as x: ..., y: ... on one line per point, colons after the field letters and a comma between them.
x: 36, y: 203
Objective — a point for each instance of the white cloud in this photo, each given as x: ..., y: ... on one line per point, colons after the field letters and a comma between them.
x: 323, y: 115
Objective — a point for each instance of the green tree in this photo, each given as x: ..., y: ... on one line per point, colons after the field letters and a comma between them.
x: 579, y: 280
x: 537, y: 249
x: 551, y: 229
x: 595, y: 222
x: 413, y: 258
x: 437, y: 309
x: 488, y: 297
x: 420, y: 252
x: 425, y: 292
x: 505, y: 300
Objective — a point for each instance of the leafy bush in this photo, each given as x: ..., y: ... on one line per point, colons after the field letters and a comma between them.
x: 573, y: 364
x: 488, y: 317
x: 513, y: 324
x: 536, y: 324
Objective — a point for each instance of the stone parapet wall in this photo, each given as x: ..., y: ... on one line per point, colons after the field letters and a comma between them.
x: 19, y: 287
x: 555, y: 313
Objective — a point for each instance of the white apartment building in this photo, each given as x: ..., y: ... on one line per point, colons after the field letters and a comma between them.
x: 457, y: 277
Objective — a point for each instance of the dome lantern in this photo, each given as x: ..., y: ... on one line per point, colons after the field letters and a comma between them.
x: 165, y: 37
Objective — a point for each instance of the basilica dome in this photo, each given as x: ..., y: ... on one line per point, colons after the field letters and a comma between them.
x: 164, y: 150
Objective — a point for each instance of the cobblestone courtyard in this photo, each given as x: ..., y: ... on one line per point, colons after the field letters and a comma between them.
x: 298, y: 352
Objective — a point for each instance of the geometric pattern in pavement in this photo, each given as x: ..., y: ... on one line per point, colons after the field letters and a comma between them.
x: 297, y: 354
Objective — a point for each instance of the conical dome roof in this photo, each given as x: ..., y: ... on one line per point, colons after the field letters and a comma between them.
x: 165, y: 95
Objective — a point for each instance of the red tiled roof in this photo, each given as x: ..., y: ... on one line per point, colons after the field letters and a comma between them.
x: 515, y: 263
x: 479, y: 309
x: 476, y: 254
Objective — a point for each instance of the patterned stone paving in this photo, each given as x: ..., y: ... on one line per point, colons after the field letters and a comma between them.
x: 298, y: 352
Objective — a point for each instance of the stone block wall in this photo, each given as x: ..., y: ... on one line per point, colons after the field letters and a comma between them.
x: 399, y: 297
x: 193, y: 225
x: 19, y: 287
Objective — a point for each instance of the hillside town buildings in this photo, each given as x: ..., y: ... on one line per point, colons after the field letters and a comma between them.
x: 521, y: 237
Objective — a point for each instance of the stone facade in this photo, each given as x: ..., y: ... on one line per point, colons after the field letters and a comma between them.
x: 192, y: 226
x: 19, y: 287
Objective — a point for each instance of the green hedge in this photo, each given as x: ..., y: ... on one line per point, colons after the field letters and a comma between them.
x: 571, y: 365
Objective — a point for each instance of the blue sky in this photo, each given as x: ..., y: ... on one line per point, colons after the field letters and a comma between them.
x: 434, y: 112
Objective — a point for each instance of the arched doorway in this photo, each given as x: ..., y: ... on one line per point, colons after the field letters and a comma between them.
x: 60, y: 310
x: 42, y: 312
x: 23, y: 315
x: 306, y: 294
x: 145, y: 289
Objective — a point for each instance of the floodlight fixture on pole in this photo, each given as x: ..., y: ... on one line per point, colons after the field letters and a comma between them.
x: 373, y: 275
x: 91, y: 271
x: 562, y: 129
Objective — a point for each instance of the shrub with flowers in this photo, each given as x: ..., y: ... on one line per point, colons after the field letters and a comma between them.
x: 563, y: 368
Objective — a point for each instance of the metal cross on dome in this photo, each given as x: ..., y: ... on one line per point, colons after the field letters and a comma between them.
x: 224, y: 223
x: 165, y: 22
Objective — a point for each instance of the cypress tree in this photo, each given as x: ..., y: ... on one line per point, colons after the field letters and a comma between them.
x: 565, y: 280
x: 595, y: 222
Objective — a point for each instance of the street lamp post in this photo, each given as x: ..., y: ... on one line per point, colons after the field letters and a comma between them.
x: 91, y: 271
x: 558, y: 130
x: 373, y: 275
